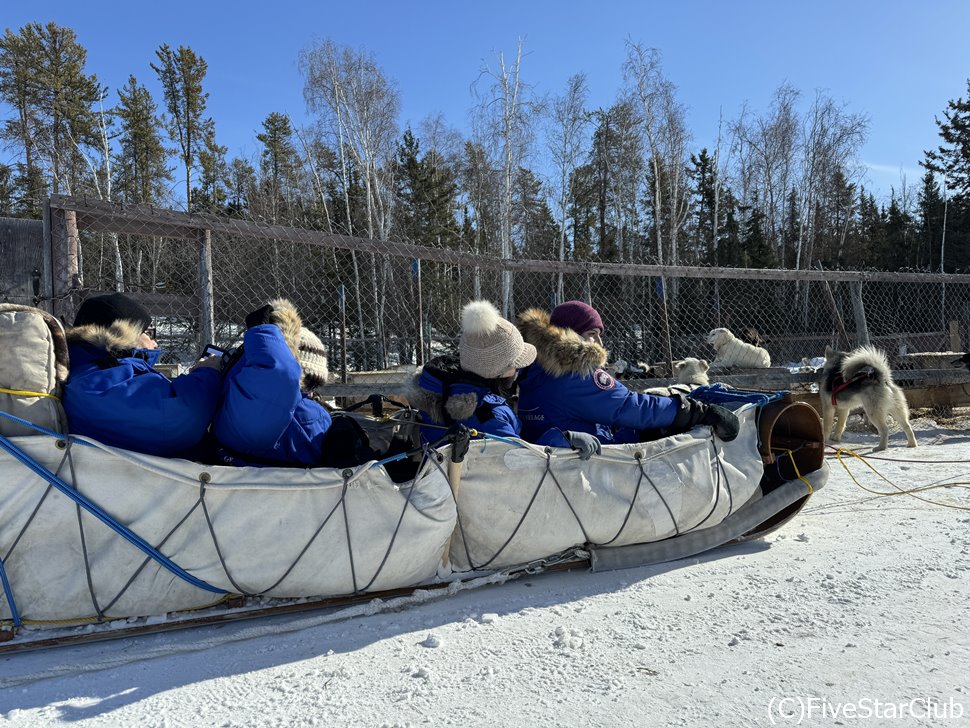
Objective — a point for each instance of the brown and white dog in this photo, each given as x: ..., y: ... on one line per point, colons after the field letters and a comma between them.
x: 732, y: 352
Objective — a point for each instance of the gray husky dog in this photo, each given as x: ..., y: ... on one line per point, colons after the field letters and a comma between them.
x: 862, y: 378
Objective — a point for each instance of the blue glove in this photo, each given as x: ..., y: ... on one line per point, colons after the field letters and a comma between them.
x: 587, y: 445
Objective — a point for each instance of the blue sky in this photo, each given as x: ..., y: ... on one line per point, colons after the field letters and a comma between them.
x: 898, y: 62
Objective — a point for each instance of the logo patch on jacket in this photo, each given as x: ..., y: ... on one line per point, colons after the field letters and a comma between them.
x: 603, y: 380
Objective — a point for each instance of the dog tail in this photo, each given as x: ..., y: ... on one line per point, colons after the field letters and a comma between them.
x: 867, y: 360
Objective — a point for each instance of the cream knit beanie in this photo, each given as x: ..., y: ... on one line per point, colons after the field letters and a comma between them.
x: 489, y: 344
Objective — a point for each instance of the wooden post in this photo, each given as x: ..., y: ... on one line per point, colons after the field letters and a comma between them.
x: 420, y: 347
x: 65, y: 276
x: 844, y: 342
x: 955, y: 343
x: 859, y: 311
x: 343, y: 332
x: 207, y: 314
x: 47, y: 263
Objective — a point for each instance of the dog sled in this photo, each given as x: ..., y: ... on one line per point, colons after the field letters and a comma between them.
x: 92, y: 533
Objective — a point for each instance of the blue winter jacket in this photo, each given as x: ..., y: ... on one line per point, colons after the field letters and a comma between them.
x: 264, y: 417
x: 113, y: 395
x: 568, y: 389
x: 445, y: 394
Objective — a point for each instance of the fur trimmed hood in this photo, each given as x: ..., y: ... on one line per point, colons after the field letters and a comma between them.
x: 306, y: 348
x: 560, y: 351
x: 287, y: 318
x: 118, y: 340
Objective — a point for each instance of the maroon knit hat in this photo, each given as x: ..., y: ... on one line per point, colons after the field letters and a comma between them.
x: 576, y: 315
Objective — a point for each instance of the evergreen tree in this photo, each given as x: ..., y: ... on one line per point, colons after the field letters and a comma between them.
x: 789, y: 232
x: 872, y: 231
x: 18, y: 54
x: 537, y: 233
x: 42, y: 78
x: 181, y: 74
x: 242, y: 187
x: 952, y: 160
x: 703, y: 175
x: 896, y: 253
x: 6, y: 191
x: 756, y: 251
x: 211, y: 192
x: 141, y: 167
x: 930, y: 232
x: 427, y: 195
x: 278, y: 165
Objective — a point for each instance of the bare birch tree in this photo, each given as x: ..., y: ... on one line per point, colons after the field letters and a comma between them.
x: 570, y: 119
x: 349, y: 89
x: 507, y: 108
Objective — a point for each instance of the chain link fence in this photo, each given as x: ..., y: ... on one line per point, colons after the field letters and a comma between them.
x: 384, y: 307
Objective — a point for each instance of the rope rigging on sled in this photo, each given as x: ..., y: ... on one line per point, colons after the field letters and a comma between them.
x: 653, y: 488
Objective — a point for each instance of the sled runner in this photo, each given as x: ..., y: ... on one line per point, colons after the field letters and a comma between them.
x: 94, y: 533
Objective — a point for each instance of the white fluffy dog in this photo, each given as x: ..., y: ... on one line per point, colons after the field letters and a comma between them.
x: 732, y: 352
x: 692, y: 371
x: 690, y: 374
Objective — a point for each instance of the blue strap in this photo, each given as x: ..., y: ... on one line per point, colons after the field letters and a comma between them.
x: 9, y: 594
x: 718, y: 393
x: 130, y: 536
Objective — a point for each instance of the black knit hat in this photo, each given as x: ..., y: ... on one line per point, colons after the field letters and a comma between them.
x: 105, y: 310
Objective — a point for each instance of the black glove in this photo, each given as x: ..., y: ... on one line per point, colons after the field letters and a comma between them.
x: 725, y: 423
x: 587, y: 444
x: 259, y: 316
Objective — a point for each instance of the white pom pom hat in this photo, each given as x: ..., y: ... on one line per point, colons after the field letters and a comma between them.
x: 490, y: 345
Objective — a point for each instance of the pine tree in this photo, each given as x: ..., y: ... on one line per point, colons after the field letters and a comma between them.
x: 703, y: 204
x: 930, y: 233
x: 278, y: 165
x: 952, y: 158
x: 6, y: 191
x: 181, y: 74
x: 141, y: 164
x: 756, y: 250
x: 42, y: 77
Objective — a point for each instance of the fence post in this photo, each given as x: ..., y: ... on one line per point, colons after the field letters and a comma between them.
x: 207, y: 314
x: 955, y: 343
x: 859, y: 312
x: 65, y: 275
x: 46, y: 294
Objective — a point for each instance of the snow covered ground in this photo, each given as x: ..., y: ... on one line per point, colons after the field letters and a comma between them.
x: 856, y: 613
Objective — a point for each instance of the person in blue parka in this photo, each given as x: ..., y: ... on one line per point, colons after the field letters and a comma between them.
x: 268, y: 415
x: 113, y: 393
x: 475, y: 388
x: 568, y: 388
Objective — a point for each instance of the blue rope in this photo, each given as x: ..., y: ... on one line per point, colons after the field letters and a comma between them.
x: 44, y: 430
x: 10, y: 601
x: 130, y: 536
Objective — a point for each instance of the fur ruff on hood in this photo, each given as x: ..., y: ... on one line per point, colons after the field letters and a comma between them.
x: 312, y: 363
x: 287, y: 318
x: 118, y: 339
x: 458, y: 406
x: 560, y: 351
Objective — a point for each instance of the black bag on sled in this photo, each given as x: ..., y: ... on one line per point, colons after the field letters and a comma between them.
x: 355, y: 438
